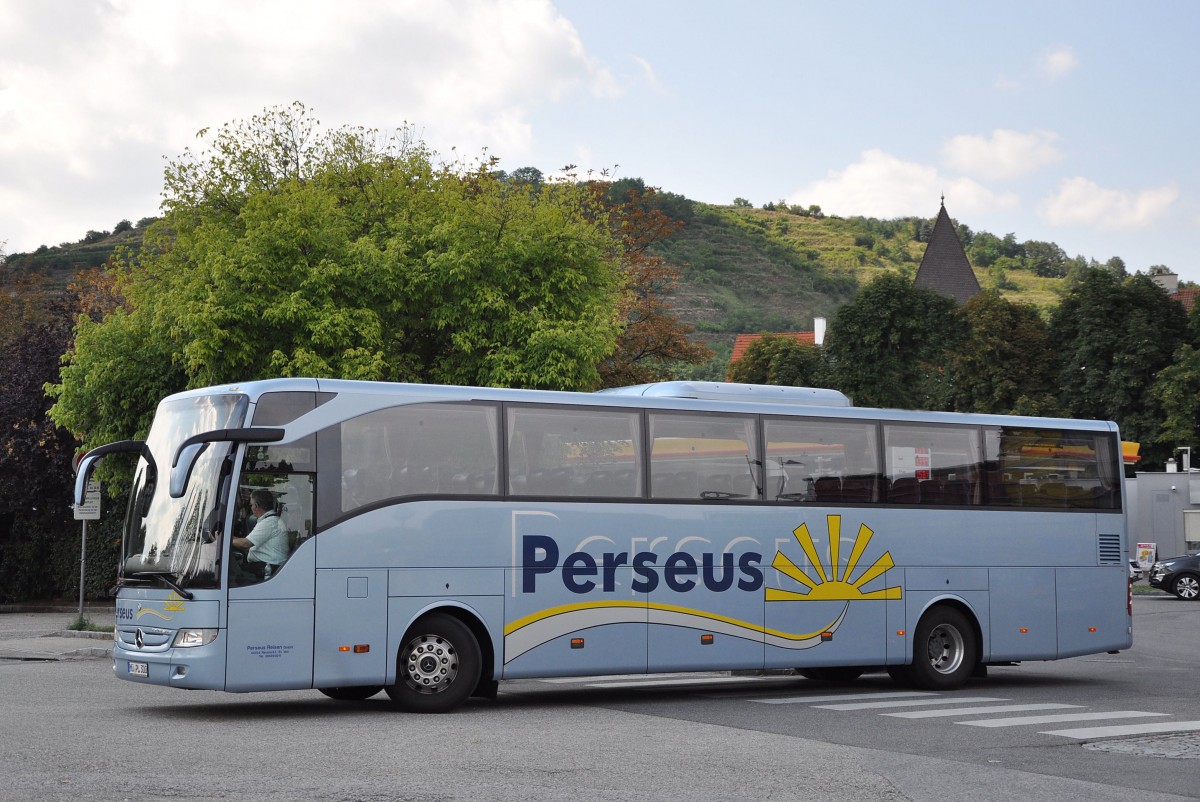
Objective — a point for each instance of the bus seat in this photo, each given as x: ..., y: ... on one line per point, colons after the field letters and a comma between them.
x: 931, y: 491
x: 958, y: 492
x: 858, y: 488
x: 681, y: 484
x: 905, y: 490
x: 626, y: 482
x: 828, y: 488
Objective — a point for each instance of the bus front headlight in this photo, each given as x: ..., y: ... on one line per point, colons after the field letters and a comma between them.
x: 194, y: 637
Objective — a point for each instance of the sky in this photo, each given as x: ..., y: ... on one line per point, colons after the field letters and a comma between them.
x: 1074, y: 122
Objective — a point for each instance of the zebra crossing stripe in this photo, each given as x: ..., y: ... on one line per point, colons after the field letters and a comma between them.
x: 973, y: 711
x: 1018, y: 721
x: 841, y: 697
x: 1128, y: 729
x: 945, y: 700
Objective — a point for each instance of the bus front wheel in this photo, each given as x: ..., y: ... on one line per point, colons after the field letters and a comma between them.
x: 438, y: 666
x: 945, y: 651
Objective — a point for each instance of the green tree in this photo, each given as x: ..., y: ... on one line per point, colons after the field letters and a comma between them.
x: 1113, y: 338
x: 1176, y: 391
x: 652, y: 344
x: 890, y: 346
x: 1045, y: 259
x: 777, y: 359
x: 286, y: 251
x: 1006, y: 364
x: 38, y: 558
x: 985, y: 249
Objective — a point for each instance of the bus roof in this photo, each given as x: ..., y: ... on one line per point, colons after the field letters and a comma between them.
x: 727, y: 391
x: 682, y: 395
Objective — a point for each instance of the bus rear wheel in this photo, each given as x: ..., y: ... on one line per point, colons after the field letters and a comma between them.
x: 945, y: 651
x: 438, y: 666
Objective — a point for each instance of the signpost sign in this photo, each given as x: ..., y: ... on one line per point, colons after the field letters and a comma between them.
x: 89, y: 510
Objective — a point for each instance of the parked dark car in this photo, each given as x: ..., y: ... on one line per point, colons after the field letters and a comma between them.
x: 1178, y: 575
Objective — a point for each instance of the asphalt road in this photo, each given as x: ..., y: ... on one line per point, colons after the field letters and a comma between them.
x: 71, y: 731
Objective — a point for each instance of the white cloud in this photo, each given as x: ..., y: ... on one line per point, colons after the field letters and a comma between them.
x: 1080, y: 202
x: 89, y: 96
x: 648, y: 73
x: 1006, y: 154
x: 1056, y: 63
x: 881, y: 185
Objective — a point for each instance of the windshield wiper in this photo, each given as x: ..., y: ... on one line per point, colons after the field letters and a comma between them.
x: 167, y: 579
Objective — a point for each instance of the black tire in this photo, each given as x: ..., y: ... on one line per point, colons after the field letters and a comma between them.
x: 1186, y: 587
x: 945, y: 652
x: 438, y: 666
x: 352, y: 693
x: 832, y: 673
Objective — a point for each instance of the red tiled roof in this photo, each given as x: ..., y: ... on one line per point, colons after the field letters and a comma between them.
x: 1187, y: 297
x: 744, y: 341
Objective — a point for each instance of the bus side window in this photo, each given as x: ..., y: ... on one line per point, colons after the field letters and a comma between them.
x: 437, y: 449
x: 1052, y: 468
x: 822, y: 461
x: 573, y: 452
x: 938, y: 466
x: 705, y: 456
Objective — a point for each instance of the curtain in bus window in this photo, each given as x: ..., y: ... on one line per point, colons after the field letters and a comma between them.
x: 419, y: 450
x: 700, y: 456
x: 574, y: 452
x: 937, y: 465
x: 1054, y: 468
x: 815, y: 460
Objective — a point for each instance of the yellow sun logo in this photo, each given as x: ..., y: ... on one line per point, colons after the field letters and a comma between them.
x: 829, y: 586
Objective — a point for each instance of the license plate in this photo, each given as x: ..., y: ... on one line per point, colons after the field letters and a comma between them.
x: 139, y: 669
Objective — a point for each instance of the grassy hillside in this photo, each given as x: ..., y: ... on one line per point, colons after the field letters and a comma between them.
x: 747, y: 270
x: 743, y: 269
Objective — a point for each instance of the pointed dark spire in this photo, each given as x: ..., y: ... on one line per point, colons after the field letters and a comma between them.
x: 945, y: 267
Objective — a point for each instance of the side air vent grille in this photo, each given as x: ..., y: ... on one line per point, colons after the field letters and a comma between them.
x: 1110, y: 549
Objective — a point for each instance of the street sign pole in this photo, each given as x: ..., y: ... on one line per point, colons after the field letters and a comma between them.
x: 89, y: 510
x: 82, y: 567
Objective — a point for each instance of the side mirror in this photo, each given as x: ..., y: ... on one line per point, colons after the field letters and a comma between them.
x: 83, y: 472
x: 181, y: 471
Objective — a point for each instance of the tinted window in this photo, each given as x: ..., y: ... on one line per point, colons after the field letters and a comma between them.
x: 421, y: 449
x: 932, y: 464
x: 704, y: 456
x: 276, y: 409
x: 816, y: 460
x: 582, y: 452
x: 1051, y: 468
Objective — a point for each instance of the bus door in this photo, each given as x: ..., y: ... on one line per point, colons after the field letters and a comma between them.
x: 271, y: 584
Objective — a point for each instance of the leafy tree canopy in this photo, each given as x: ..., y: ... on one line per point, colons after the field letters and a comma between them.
x: 283, y: 250
x: 1006, y: 363
x: 776, y: 359
x: 889, y: 347
x: 1113, y: 337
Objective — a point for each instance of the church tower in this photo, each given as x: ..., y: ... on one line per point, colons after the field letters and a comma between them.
x: 945, y: 268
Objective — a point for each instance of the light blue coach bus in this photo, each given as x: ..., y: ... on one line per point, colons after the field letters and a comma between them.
x: 431, y: 541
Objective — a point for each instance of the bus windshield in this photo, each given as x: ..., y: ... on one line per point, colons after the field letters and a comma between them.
x: 175, y: 536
